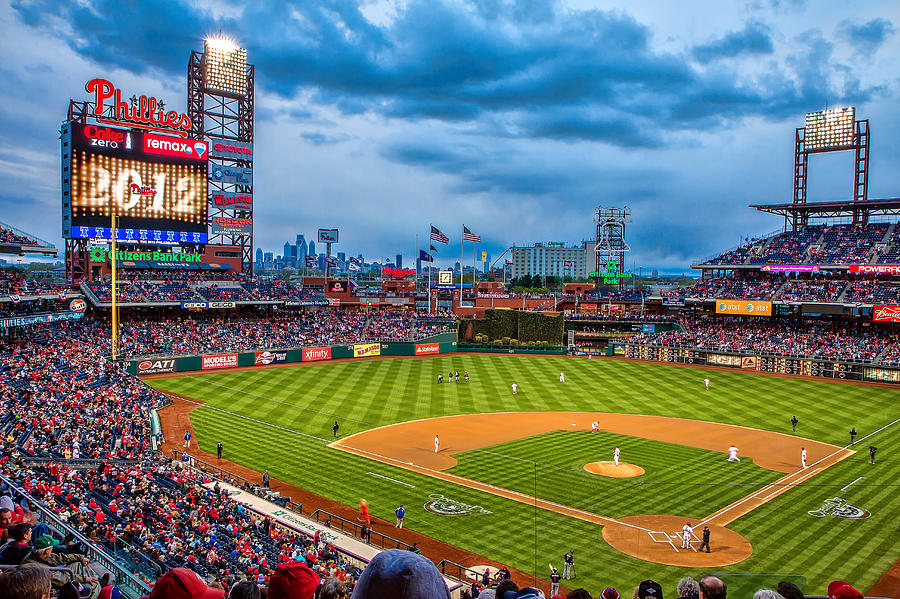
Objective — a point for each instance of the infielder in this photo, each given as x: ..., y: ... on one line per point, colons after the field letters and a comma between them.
x: 686, y: 533
x: 562, y: 377
x: 437, y: 444
x: 616, y: 455
x: 595, y: 426
x: 732, y: 454
x: 706, y: 382
x: 803, y: 456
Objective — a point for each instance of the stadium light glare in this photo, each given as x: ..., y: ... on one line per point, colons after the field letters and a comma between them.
x: 830, y: 129
x: 226, y: 66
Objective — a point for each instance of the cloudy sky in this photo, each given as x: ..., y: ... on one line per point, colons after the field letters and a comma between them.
x: 515, y: 117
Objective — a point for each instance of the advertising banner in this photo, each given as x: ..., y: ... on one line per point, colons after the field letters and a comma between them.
x: 188, y: 149
x: 875, y: 269
x: 333, y: 301
x: 313, y: 354
x: 155, y: 366
x: 205, y: 305
x: 328, y: 236
x: 790, y: 268
x: 748, y: 362
x: 220, y: 361
x: 231, y: 174
x: 886, y: 313
x: 648, y: 328
x: 743, y: 307
x: 588, y: 307
x: 223, y: 225
x: 262, y: 358
x: 882, y: 375
x: 723, y: 360
x: 23, y: 321
x: 139, y: 235
x: 366, y: 349
x: 244, y: 201
x: 226, y: 148
x: 337, y: 287
x: 427, y: 348
x: 306, y: 302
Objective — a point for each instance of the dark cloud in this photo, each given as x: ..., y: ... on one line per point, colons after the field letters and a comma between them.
x: 754, y: 39
x: 867, y: 37
x: 321, y: 139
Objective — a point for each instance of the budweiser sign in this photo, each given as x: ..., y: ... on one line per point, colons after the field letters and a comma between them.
x: 875, y: 269
x: 220, y: 361
x: 137, y: 111
x: 311, y: 354
x: 886, y: 313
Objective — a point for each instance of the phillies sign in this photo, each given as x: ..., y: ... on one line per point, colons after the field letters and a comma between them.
x: 875, y: 269
x: 886, y: 313
x: 138, y: 111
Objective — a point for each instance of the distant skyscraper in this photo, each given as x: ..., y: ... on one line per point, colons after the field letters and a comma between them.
x: 399, y: 261
x: 342, y: 257
x: 288, y: 248
x: 259, y: 257
x: 312, y: 248
x: 301, y: 247
x: 456, y: 266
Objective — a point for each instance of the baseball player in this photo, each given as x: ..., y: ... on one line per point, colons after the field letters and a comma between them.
x: 554, y: 581
x: 595, y: 426
x: 616, y: 455
x: 440, y: 378
x: 515, y: 389
x: 794, y: 422
x: 562, y: 377
x: 706, y: 382
x: 568, y: 562
x: 852, y: 435
x: 400, y: 512
x: 219, y: 450
x: 437, y: 444
x: 466, y: 376
x: 732, y: 454
x: 803, y: 456
x: 686, y: 532
x: 187, y: 438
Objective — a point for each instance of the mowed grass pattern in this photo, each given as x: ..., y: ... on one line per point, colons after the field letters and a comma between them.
x: 307, y: 399
x: 551, y: 466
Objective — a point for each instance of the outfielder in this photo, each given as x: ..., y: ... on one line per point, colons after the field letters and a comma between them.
x: 515, y: 389
x: 616, y: 455
x: 803, y: 456
x: 437, y: 444
x: 732, y: 454
x: 686, y: 534
x: 706, y: 382
x: 562, y: 377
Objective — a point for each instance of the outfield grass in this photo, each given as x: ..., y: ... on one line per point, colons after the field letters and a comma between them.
x: 361, y: 395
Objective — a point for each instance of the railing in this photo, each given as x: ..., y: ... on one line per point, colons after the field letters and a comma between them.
x: 127, y: 582
x: 80, y: 463
x: 514, y: 349
x: 43, y: 242
x: 748, y: 352
x: 456, y: 571
x: 373, y: 538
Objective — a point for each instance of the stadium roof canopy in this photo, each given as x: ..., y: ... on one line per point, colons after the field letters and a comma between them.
x: 860, y: 211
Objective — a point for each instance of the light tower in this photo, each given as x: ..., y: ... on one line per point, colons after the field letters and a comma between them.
x: 611, y: 247
x: 220, y: 105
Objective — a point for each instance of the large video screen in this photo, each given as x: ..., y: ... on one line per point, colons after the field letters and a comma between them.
x: 149, y: 181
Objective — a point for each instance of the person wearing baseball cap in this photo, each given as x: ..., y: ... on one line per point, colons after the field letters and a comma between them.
x: 609, y: 593
x: 181, y: 583
x: 293, y: 580
x: 396, y: 573
x: 843, y: 590
x: 649, y: 589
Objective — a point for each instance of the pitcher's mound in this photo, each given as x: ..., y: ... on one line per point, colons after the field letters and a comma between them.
x: 610, y: 469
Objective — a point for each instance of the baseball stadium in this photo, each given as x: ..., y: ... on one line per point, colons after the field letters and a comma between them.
x: 180, y: 421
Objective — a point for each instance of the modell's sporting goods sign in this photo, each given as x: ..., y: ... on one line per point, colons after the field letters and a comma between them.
x: 886, y: 313
x: 220, y: 361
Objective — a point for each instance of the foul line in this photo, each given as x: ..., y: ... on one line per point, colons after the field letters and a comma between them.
x: 393, y: 480
x: 854, y: 482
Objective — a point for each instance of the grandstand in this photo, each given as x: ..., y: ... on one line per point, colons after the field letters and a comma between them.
x: 16, y: 242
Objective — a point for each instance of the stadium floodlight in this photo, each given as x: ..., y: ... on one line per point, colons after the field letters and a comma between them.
x: 830, y: 129
x: 226, y: 66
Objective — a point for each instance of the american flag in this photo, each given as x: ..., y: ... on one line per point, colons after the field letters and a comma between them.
x: 470, y: 236
x: 436, y: 235
x: 508, y: 261
x: 312, y: 261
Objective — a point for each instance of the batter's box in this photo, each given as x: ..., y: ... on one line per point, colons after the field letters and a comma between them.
x: 659, y: 536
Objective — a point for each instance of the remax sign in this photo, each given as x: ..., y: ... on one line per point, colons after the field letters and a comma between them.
x: 225, y: 148
x: 171, y: 146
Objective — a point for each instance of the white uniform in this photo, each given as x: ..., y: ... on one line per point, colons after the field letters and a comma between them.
x: 732, y: 454
x: 515, y: 388
x: 595, y: 426
x: 437, y: 443
x: 706, y: 382
x: 803, y: 457
x: 616, y: 456
x: 562, y: 377
x: 686, y: 532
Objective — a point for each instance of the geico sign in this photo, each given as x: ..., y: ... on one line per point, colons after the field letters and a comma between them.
x: 311, y: 354
x: 428, y: 348
x: 220, y: 361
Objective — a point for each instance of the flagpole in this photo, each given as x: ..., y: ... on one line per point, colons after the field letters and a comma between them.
x: 462, y: 244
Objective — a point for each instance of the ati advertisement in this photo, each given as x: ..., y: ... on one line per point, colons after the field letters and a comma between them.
x: 886, y: 313
x: 262, y: 358
x: 155, y: 366
x: 427, y: 348
x: 366, y: 349
x: 743, y: 307
x: 313, y: 354
x: 220, y: 361
x: 149, y: 181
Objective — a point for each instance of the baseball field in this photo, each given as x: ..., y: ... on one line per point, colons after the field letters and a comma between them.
x: 514, y: 479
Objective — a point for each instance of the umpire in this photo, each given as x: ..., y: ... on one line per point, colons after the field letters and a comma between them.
x: 705, y: 542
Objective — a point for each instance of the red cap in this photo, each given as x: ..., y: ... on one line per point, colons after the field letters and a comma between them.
x: 842, y: 590
x: 181, y: 583
x: 293, y: 580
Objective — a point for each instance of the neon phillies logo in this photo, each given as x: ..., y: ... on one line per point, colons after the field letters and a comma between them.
x: 145, y: 190
x: 140, y: 111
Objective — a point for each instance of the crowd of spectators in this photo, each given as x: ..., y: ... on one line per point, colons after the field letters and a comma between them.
x: 11, y: 237
x: 13, y: 283
x: 848, y: 244
x: 812, y: 290
x: 804, y: 338
x: 142, y: 287
x: 873, y: 291
x: 788, y: 247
